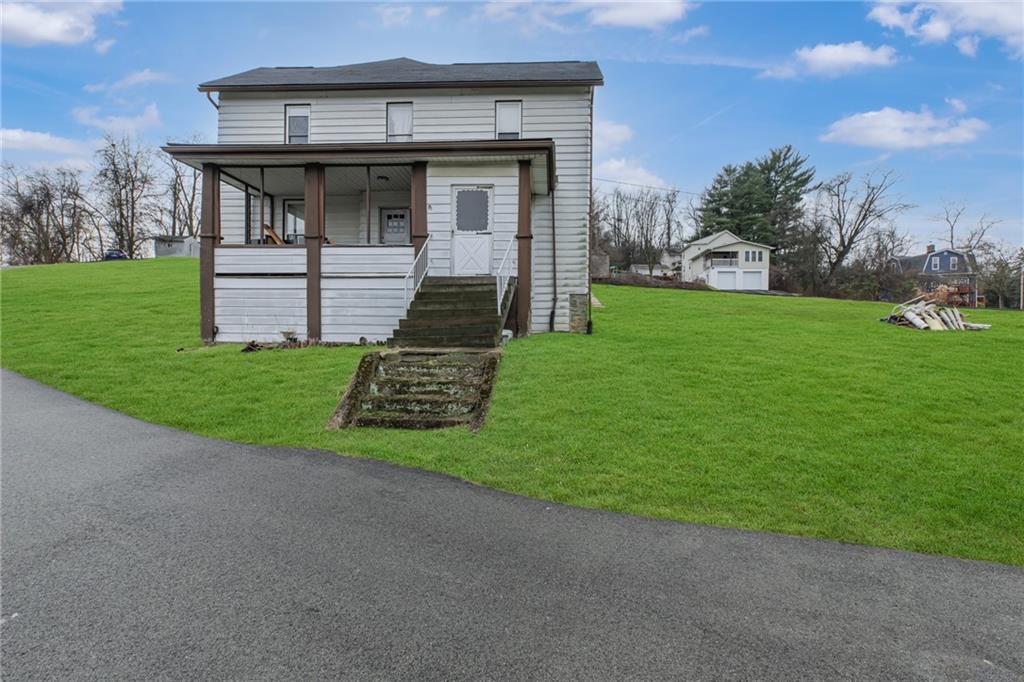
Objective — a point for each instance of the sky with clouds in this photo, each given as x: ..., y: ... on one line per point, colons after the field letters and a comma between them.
x: 932, y: 91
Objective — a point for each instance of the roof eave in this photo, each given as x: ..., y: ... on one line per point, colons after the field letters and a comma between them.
x: 211, y: 86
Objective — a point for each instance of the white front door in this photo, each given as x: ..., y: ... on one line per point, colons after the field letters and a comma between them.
x: 472, y: 214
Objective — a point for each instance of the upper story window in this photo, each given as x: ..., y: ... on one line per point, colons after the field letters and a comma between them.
x: 508, y: 120
x: 296, y: 123
x: 935, y: 262
x: 953, y: 262
x: 399, y: 121
x: 760, y: 256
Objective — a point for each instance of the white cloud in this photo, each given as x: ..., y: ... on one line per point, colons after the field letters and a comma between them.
x: 958, y: 105
x: 893, y: 129
x: 628, y: 171
x: 434, y: 11
x: 937, y: 22
x: 551, y: 15
x: 609, y: 135
x: 833, y: 60
x: 103, y: 46
x: 90, y: 116
x: 70, y: 23
x: 394, y: 15
x: 131, y: 80
x: 691, y: 33
x: 31, y: 140
x: 968, y: 45
x: 637, y: 14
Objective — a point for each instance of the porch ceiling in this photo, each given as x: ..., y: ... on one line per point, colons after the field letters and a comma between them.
x: 290, y: 180
x: 243, y: 161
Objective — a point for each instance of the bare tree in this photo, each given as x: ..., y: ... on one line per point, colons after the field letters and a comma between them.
x: 180, y: 214
x: 976, y: 238
x: 670, y: 215
x: 1000, y: 270
x: 45, y: 217
x: 849, y: 211
x: 126, y: 184
x: 646, y: 206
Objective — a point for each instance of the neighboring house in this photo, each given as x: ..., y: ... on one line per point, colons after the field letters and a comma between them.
x: 954, y: 268
x: 174, y: 245
x: 332, y: 192
x: 725, y: 261
x: 669, y: 265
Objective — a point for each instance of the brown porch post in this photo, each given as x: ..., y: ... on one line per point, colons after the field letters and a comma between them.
x: 314, y: 234
x: 524, y: 235
x: 418, y: 205
x: 209, y: 237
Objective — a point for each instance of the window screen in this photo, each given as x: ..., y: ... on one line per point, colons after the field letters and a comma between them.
x: 472, y: 210
x: 953, y: 261
x: 508, y: 120
x: 400, y: 122
x: 296, y: 124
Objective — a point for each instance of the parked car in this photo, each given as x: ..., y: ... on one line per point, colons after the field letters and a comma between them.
x: 115, y: 254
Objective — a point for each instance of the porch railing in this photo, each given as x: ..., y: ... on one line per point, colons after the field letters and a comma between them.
x: 420, y: 267
x: 727, y: 262
x: 505, y: 272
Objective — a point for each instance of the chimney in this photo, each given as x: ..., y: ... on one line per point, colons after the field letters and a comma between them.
x: 930, y: 248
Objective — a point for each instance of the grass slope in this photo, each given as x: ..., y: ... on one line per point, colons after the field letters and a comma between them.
x: 802, y: 416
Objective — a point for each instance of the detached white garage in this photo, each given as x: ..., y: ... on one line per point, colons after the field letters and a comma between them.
x: 727, y: 262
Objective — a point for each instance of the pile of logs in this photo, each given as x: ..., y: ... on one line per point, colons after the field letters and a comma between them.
x: 924, y: 313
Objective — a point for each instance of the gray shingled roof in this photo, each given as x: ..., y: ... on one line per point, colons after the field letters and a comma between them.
x: 409, y: 72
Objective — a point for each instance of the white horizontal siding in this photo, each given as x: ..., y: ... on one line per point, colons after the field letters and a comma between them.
x: 366, y: 260
x: 354, y: 308
x: 259, y: 308
x: 259, y: 260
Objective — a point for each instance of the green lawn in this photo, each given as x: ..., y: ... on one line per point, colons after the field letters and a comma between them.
x: 803, y: 416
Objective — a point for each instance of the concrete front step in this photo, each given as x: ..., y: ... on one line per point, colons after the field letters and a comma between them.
x: 455, y: 386
x: 440, y: 321
x: 400, y: 420
x: 447, y: 328
x: 485, y: 341
x: 419, y: 404
x: 467, y: 279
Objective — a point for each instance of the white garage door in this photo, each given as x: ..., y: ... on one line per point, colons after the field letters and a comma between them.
x: 727, y: 279
x: 751, y: 279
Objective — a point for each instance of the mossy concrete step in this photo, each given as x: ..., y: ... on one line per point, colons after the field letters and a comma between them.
x: 401, y: 420
x: 457, y: 304
x: 452, y: 385
x: 479, y: 289
x: 415, y: 404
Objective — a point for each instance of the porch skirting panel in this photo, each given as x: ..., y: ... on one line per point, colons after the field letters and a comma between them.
x: 354, y: 308
x: 259, y: 308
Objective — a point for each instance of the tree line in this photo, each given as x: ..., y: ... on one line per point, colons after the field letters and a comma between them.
x: 65, y: 214
x: 830, y: 237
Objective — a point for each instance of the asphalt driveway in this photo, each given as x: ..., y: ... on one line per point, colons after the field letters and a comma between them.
x: 136, y: 551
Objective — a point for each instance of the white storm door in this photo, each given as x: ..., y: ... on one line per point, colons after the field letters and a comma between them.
x: 472, y: 217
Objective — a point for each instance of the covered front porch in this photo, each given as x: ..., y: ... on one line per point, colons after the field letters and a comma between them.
x: 331, y: 242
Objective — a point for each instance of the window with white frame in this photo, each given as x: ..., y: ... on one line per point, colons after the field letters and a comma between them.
x: 954, y: 262
x: 472, y: 209
x: 746, y: 256
x: 760, y: 256
x: 508, y: 120
x: 399, y: 121
x: 294, y: 221
x: 296, y: 123
x: 935, y: 262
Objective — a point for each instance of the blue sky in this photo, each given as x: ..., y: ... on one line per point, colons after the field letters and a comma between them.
x: 930, y: 91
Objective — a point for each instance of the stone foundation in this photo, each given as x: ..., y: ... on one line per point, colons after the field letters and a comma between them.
x: 579, y: 307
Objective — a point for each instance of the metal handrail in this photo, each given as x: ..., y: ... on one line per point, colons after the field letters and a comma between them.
x: 418, y: 270
x: 501, y: 276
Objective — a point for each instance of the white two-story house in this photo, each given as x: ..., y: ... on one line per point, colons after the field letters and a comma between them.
x: 727, y: 262
x: 332, y: 194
